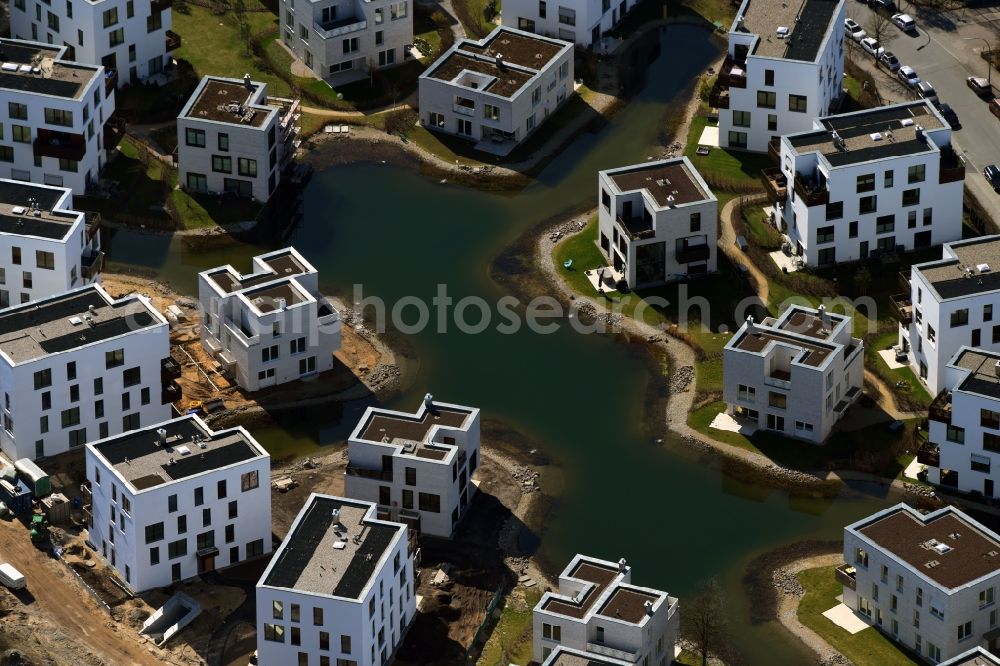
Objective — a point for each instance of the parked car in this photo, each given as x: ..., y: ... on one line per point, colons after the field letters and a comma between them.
x: 854, y: 30
x: 926, y: 90
x: 886, y: 5
x: 908, y: 76
x: 904, y: 22
x: 949, y: 116
x: 871, y: 46
x: 992, y: 175
x: 11, y: 577
x: 980, y: 86
x: 889, y: 59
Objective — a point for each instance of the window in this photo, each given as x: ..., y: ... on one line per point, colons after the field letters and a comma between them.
x: 911, y: 197
x: 766, y: 99
x: 132, y: 376
x: 199, y: 496
x: 177, y: 549
x: 888, y: 181
x: 70, y: 417
x: 247, y: 167
x: 866, y: 182
x: 398, y: 10
x: 852, y: 230
x: 386, y: 57
x: 58, y: 117
x: 491, y: 112
x: 248, y: 481
x: 110, y: 17
x: 379, y: 37
x: 154, y: 532
x: 824, y: 235
x: 928, y: 216
x: 429, y: 502
x: 695, y: 222
x: 552, y: 632
x: 746, y: 393
x: 21, y: 133
x: 206, y: 540
x: 541, y: 9
x: 835, y: 210
x: 274, y: 633
x: 768, y: 77
x: 867, y: 204
x: 772, y: 122
x: 268, y: 354
x: 345, y: 644
x: 797, y: 103
x: 741, y: 118
x: 737, y: 139
x: 154, y: 22
x: 861, y: 557
x: 17, y: 111
x: 116, y: 37
x: 988, y: 312
x: 964, y: 631
x: 154, y: 556
x: 567, y: 16
x: 222, y: 164
x: 960, y: 317
x: 411, y: 476
x: 43, y: 378
x: 915, y: 174
x: 223, y: 141
x: 435, y: 120
x: 955, y: 434
x: 171, y: 503
x: 194, y: 137
x: 885, y: 224
x: 779, y: 400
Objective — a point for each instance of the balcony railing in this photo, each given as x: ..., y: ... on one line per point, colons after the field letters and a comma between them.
x: 929, y: 454
x: 902, y: 307
x: 60, y: 145
x: 374, y: 474
x: 689, y: 253
x: 237, y: 332
x: 169, y: 369
x: 341, y: 27
x: 94, y: 222
x: 812, y: 195
x: 904, y: 281
x: 635, y: 227
x: 778, y: 379
x: 173, y: 41
x: 464, y: 110
x: 171, y: 393
x: 952, y: 167
x: 114, y: 132
x: 775, y: 183
x: 847, y: 576
x: 160, y: 5
x: 110, y: 80
x: 719, y: 97
x: 614, y: 653
x: 940, y: 408
x: 91, y: 265
x: 774, y: 150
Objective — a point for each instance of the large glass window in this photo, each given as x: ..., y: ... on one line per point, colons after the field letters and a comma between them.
x: 650, y: 262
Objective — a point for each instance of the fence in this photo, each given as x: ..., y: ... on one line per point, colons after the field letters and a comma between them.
x: 479, y: 640
x: 91, y: 591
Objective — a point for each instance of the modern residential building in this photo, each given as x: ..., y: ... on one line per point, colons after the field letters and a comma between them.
x: 928, y: 581
x: 658, y: 222
x: 233, y: 138
x: 271, y: 325
x: 963, y: 437
x: 784, y: 67
x: 580, y: 22
x: 949, y: 303
x: 46, y: 248
x: 872, y: 182
x: 81, y: 366
x: 562, y: 656
x: 417, y: 467
x: 977, y: 656
x: 347, y: 40
x: 339, y: 589
x: 498, y: 90
x: 58, y: 128
x: 131, y: 40
x: 795, y: 375
x: 598, y: 611
x: 175, y: 499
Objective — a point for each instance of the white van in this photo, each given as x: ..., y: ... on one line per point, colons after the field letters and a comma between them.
x: 11, y: 577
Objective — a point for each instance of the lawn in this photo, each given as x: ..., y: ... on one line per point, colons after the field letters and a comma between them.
x: 869, y: 646
x: 913, y: 391
x: 510, y: 642
x: 472, y: 14
x: 734, y: 170
x: 760, y: 232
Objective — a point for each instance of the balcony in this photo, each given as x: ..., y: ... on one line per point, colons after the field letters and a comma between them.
x: 171, y: 393
x: 60, y: 145
x: 114, y: 132
x: 169, y: 369
x: 373, y: 474
x: 811, y: 193
x: 342, y: 26
x: 245, y: 338
x: 94, y: 222
x: 110, y: 81
x: 160, y: 5
x: 774, y: 182
x: 774, y: 150
x: 689, y: 253
x: 719, y: 97
x: 464, y: 110
x: 904, y: 281
x: 940, y: 408
x: 91, y: 265
x: 847, y: 576
x: 779, y: 379
x: 902, y: 308
x: 173, y: 41
x: 951, y: 168
x: 636, y: 228
x: 929, y: 454
x: 614, y: 653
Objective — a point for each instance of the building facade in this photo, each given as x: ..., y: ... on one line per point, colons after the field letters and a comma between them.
x: 131, y: 40
x: 46, y: 248
x: 657, y: 222
x: 346, y: 40
x: 949, y: 303
x: 795, y: 375
x: 175, y: 499
x: 783, y: 68
x: 580, y: 22
x: 927, y: 581
x: 81, y: 366
x: 499, y: 89
x: 872, y: 182
x: 339, y: 589
x: 598, y: 611
x: 232, y: 138
x: 57, y: 129
x: 417, y: 467
x: 270, y: 326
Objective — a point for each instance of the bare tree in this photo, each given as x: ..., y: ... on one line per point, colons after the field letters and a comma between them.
x: 703, y: 620
x: 881, y: 29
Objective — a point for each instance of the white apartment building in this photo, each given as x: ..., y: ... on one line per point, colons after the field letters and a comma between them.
x: 598, y: 611
x: 963, y: 437
x: 46, y: 248
x: 950, y: 303
x: 81, y: 366
x: 580, y: 22
x: 55, y: 129
x: 562, y: 656
x: 497, y: 90
x: 339, y: 589
x: 417, y: 467
x: 133, y: 38
x: 346, y: 40
x: 977, y: 656
x: 927, y: 581
x: 271, y: 325
x: 795, y: 375
x: 658, y: 222
x: 868, y: 183
x: 176, y: 499
x: 784, y: 67
x: 232, y: 138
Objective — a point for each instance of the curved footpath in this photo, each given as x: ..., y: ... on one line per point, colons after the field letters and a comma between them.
x: 789, y: 592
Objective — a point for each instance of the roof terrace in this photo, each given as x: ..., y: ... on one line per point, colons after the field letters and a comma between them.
x: 667, y: 183
x: 414, y: 432
x: 283, y: 264
x: 601, y: 576
x: 756, y: 338
x: 227, y: 101
x: 33, y: 67
x: 271, y: 296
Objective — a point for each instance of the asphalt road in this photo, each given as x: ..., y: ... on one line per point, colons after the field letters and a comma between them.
x: 942, y: 56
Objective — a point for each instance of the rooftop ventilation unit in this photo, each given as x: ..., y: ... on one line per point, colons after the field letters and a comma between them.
x: 782, y: 32
x: 183, y: 450
x: 876, y: 136
x: 76, y: 321
x: 983, y: 268
x: 19, y: 210
x: 161, y: 436
x: 906, y: 122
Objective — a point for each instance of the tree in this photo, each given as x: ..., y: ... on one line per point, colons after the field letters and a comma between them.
x: 240, y: 13
x: 881, y: 29
x: 703, y: 620
x: 862, y: 278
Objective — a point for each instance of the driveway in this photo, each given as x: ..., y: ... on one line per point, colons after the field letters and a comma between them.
x: 945, y: 51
